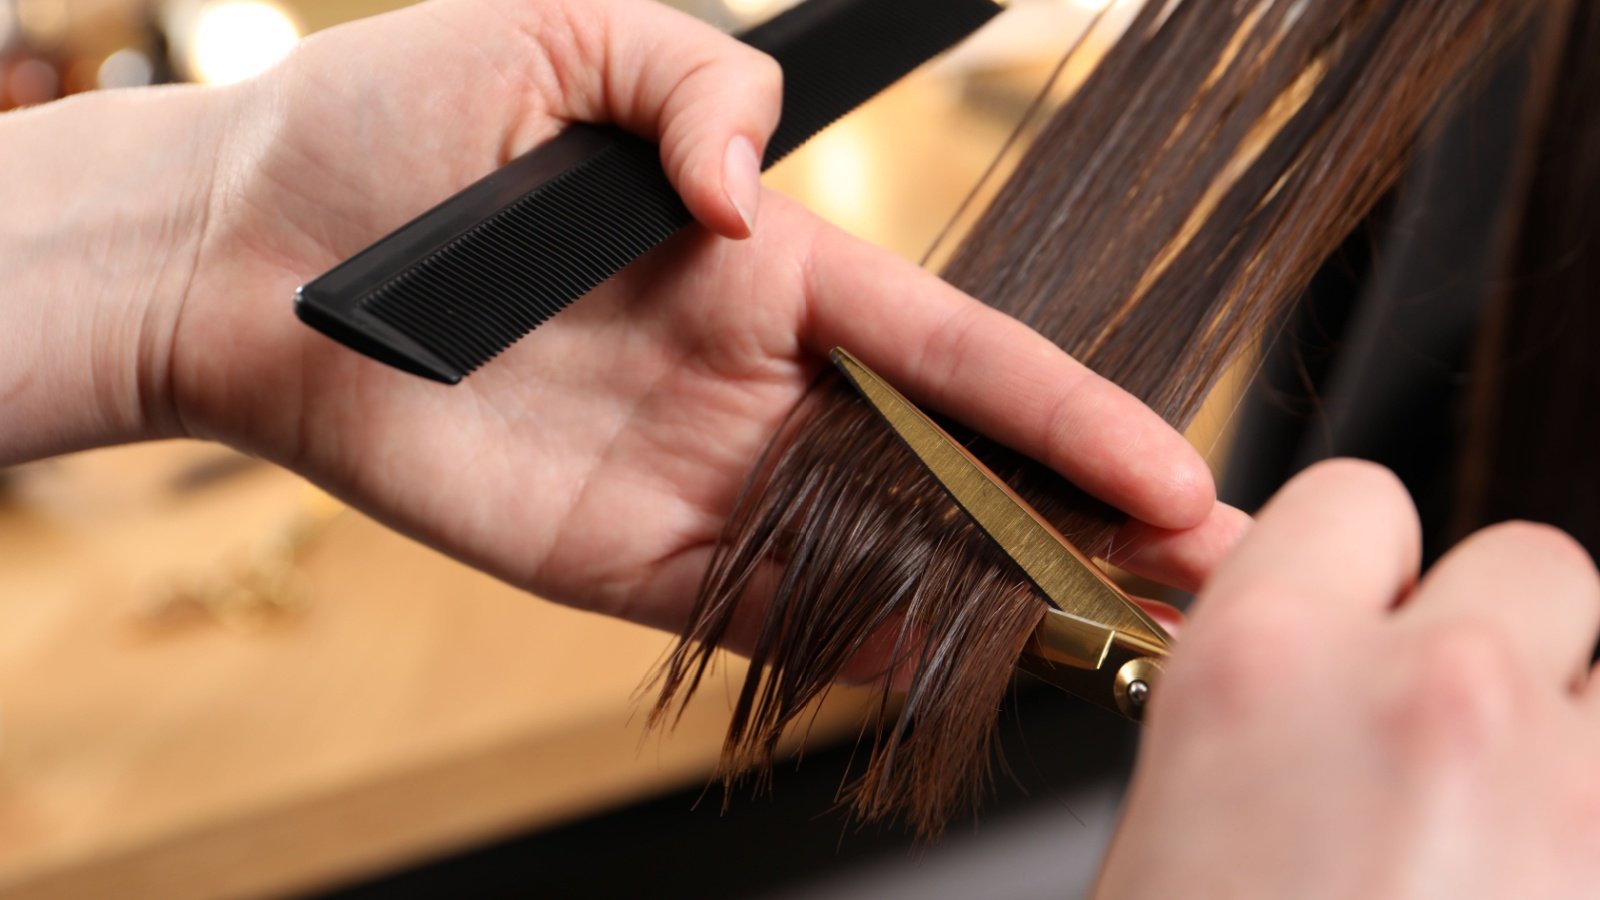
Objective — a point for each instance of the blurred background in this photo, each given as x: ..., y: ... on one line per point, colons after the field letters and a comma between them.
x: 216, y: 682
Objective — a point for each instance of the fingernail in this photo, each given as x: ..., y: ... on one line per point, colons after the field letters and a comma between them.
x: 741, y: 179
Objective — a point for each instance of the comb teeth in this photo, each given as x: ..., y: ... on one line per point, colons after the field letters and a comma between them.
x: 456, y: 287
x: 475, y: 296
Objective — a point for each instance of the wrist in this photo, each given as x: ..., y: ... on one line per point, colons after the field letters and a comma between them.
x: 106, y: 198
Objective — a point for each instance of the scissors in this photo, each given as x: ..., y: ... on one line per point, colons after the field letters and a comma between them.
x: 1094, y: 642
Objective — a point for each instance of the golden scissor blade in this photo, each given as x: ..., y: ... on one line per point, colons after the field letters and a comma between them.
x: 1069, y: 581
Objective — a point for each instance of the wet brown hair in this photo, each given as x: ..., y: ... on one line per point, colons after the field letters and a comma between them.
x: 1164, y: 215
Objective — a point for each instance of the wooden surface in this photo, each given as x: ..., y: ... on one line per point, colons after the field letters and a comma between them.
x: 409, y: 707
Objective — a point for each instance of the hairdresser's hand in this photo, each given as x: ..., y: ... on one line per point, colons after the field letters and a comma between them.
x: 1329, y: 728
x: 595, y: 462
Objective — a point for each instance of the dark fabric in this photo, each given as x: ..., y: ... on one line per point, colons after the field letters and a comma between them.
x: 1376, y: 363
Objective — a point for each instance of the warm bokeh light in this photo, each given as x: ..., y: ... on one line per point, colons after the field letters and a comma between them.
x: 44, y: 22
x: 31, y: 82
x: 125, y: 69
x: 749, y: 9
x: 1091, y: 5
x: 839, y: 177
x: 237, y: 39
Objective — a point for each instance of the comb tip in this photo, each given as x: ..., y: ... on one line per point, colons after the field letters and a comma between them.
x: 373, y: 339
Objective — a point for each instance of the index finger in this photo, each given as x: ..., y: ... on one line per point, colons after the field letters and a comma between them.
x: 1003, y: 379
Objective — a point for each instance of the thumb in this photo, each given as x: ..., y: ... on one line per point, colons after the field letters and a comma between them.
x: 708, y: 99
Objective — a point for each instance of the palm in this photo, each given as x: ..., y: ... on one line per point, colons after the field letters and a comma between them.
x: 595, y: 460
x: 649, y: 402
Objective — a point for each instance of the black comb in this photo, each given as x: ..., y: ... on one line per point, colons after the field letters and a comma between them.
x: 451, y: 290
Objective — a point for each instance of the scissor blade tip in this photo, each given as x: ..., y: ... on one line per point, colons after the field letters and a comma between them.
x: 846, y: 362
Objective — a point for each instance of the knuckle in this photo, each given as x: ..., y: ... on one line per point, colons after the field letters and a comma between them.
x: 1457, y: 695
x: 764, y: 75
x: 1348, y: 468
x: 1544, y: 544
x: 949, y: 346
x: 1063, y: 420
x: 684, y: 156
x: 1375, y: 483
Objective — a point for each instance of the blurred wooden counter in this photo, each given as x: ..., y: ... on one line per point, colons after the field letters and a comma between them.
x: 409, y: 708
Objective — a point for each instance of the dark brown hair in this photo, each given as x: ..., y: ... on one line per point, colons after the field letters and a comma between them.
x: 1167, y: 212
